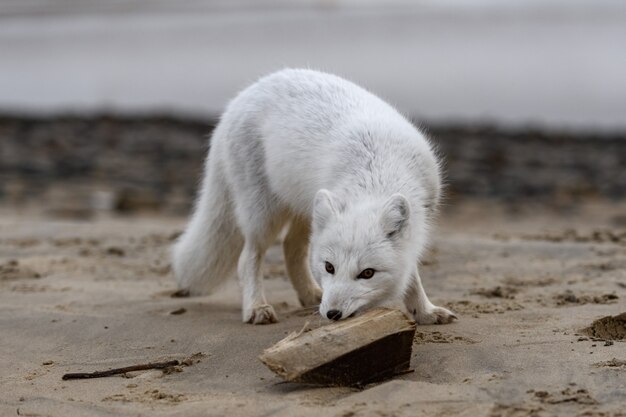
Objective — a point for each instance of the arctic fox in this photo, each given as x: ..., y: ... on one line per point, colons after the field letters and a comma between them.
x: 355, y: 182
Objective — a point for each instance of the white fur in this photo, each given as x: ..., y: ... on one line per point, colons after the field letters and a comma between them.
x: 349, y: 175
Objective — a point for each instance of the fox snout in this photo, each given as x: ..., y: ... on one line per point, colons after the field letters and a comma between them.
x: 337, y: 315
x: 338, y: 303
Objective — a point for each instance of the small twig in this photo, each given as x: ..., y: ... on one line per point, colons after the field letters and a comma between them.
x: 116, y: 371
x: 306, y: 324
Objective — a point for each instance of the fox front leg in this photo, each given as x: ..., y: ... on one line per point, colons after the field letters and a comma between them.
x: 256, y: 310
x: 420, y: 307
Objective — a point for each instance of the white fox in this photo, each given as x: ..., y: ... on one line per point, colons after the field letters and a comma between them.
x: 356, y: 183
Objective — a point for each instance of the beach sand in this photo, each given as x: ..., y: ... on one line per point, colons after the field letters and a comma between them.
x: 80, y: 296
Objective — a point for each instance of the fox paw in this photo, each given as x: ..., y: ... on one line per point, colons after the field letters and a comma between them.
x: 433, y: 315
x: 311, y: 298
x: 261, y: 314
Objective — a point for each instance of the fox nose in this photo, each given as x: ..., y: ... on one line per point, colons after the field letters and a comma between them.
x: 333, y: 314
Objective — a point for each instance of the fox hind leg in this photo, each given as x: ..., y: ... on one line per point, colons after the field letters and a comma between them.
x: 296, y: 251
x: 420, y: 307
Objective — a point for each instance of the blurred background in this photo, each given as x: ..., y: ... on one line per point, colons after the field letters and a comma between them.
x: 106, y: 105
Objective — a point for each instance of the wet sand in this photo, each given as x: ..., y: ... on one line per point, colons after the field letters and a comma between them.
x: 527, y: 284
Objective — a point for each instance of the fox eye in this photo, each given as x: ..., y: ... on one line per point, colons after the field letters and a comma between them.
x: 366, y: 273
x: 330, y: 268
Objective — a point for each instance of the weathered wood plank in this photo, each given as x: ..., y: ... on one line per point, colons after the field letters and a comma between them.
x: 370, y: 347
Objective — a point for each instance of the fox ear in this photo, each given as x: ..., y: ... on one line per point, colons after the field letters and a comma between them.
x: 325, y: 206
x: 395, y: 217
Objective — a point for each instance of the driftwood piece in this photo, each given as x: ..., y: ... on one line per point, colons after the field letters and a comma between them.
x: 370, y: 347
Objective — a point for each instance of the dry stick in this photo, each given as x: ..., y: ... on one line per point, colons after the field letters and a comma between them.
x: 116, y: 371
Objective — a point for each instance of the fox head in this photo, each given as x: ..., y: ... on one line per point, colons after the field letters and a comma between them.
x: 361, y: 253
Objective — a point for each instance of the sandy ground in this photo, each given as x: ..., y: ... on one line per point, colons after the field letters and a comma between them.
x: 83, y: 296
